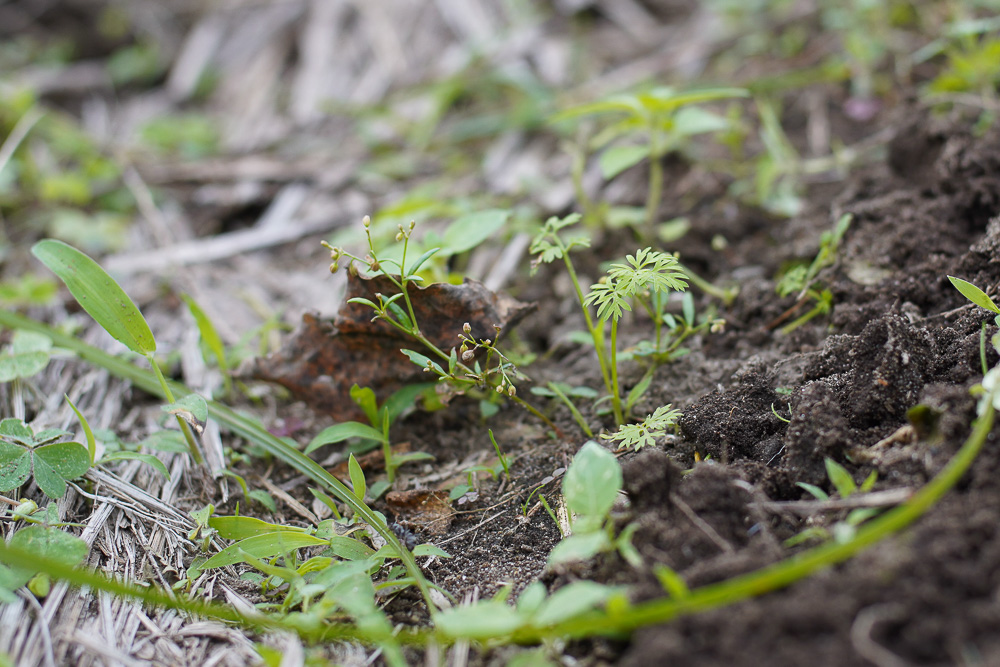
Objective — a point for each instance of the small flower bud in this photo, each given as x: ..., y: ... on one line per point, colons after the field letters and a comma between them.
x: 718, y: 326
x: 366, y: 221
x: 487, y: 342
x: 413, y: 223
x: 399, y: 237
x: 334, y: 267
x: 468, y: 355
x: 511, y: 391
x: 467, y: 328
x: 500, y: 389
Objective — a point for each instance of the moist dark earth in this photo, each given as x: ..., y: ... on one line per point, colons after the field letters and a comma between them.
x: 901, y: 338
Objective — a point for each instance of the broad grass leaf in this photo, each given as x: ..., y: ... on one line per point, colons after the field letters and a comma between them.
x: 98, y: 294
x: 357, y: 478
x: 262, y: 546
x: 349, y: 548
x: 341, y: 432
x: 242, y: 527
x: 592, y: 481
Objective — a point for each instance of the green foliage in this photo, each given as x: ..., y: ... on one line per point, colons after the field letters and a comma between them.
x: 48, y: 457
x: 646, y: 432
x: 43, y: 539
x: 187, y: 136
x: 27, y: 354
x: 647, y: 125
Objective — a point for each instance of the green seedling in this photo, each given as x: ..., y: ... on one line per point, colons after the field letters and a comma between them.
x: 503, y: 464
x: 109, y: 305
x: 458, y: 369
x: 803, y: 279
x: 646, y: 273
x: 646, y: 432
x: 590, y: 487
x: 212, y: 341
x: 565, y: 394
x: 842, y: 482
x: 377, y: 431
x: 983, y: 300
x: 43, y: 539
x: 648, y: 126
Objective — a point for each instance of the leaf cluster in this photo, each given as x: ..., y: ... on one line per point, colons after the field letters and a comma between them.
x: 646, y: 432
x: 647, y: 271
x: 49, y: 457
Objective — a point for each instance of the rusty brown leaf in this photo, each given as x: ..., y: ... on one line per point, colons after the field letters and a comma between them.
x: 427, y: 510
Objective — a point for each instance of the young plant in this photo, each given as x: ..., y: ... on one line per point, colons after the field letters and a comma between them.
x: 459, y: 368
x: 842, y: 531
x: 644, y: 274
x: 377, y: 430
x: 645, y: 432
x: 803, y: 279
x: 649, y: 125
x: 109, y: 305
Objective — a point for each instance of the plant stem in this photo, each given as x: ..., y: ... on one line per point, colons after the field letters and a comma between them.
x: 726, y: 296
x: 596, y: 334
x: 655, y: 190
x: 616, y: 399
x: 169, y: 396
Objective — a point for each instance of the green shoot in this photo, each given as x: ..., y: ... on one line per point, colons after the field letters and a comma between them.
x: 646, y: 432
x: 109, y: 305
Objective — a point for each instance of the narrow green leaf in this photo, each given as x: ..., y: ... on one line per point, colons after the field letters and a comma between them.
x: 265, y: 545
x: 814, y: 490
x: 422, y: 361
x: 242, y: 527
x: 91, y: 443
x: 403, y: 398
x: 579, y: 546
x: 485, y: 620
x: 341, y: 432
x: 430, y: 550
x: 974, y: 294
x: 210, y: 335
x: 840, y: 478
x: 349, y: 548
x: 571, y: 600
x: 148, y: 459
x: 357, y: 478
x: 98, y: 294
x: 417, y: 263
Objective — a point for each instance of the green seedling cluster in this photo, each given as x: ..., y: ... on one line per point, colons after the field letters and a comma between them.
x: 644, y: 276
x: 842, y: 531
x: 459, y: 369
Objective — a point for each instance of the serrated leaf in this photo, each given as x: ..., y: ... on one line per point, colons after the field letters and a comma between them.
x: 616, y: 159
x: 340, y: 432
x: 98, y: 294
x: 148, y: 459
x: 592, y: 482
x: 262, y: 546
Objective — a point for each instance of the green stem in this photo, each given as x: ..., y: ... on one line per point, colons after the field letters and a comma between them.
x: 782, y: 573
x: 597, y: 335
x: 726, y: 296
x: 655, y: 193
x: 616, y: 400
x: 237, y: 423
x: 581, y: 422
x: 169, y: 397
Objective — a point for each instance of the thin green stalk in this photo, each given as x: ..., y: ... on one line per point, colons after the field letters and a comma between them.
x: 169, y: 397
x: 782, y: 573
x: 597, y: 334
x: 581, y: 422
x: 724, y: 295
x: 655, y: 189
x: 616, y: 400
